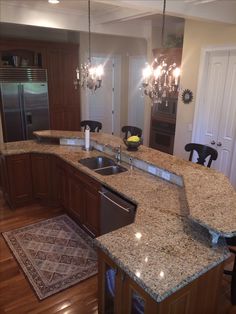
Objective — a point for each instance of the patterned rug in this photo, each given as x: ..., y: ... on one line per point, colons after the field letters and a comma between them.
x: 54, y: 254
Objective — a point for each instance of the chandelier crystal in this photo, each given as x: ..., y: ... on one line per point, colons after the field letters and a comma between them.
x: 89, y: 75
x: 160, y: 80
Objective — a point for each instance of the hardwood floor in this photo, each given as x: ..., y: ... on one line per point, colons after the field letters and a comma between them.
x: 16, y: 294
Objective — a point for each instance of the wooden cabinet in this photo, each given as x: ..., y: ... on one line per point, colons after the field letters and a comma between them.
x: 91, y: 210
x: 163, y: 114
x: 118, y: 293
x: 64, y: 98
x: 75, y: 197
x: 78, y: 194
x: 25, y: 177
x: 18, y: 181
x: 41, y: 178
x: 61, y: 183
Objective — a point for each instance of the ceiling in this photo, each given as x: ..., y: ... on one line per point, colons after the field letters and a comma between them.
x: 118, y: 17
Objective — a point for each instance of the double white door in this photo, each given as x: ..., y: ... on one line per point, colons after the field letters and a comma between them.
x: 215, y: 121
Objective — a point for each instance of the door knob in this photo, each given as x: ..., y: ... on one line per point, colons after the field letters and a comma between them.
x: 219, y: 144
x: 213, y: 142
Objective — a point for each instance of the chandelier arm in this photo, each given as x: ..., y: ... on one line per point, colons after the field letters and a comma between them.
x: 89, y: 25
x: 163, y: 23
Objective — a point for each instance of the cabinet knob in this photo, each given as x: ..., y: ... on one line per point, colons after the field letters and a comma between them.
x: 219, y: 144
x: 213, y: 142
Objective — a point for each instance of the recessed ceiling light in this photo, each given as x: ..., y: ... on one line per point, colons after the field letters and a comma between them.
x: 54, y: 1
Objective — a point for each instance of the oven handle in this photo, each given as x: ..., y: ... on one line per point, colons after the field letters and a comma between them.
x: 109, y: 199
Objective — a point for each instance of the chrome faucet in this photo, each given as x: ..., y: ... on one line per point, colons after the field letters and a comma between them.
x: 118, y: 154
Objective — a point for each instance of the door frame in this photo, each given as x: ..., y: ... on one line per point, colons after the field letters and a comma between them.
x: 199, y: 94
x: 130, y: 109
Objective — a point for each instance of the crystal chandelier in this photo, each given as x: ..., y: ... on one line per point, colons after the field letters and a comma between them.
x: 160, y: 79
x: 88, y: 75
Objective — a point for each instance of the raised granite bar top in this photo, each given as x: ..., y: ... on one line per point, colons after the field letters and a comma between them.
x: 164, y: 249
x: 210, y: 197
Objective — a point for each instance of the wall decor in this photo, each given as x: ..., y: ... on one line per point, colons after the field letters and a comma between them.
x: 187, y: 96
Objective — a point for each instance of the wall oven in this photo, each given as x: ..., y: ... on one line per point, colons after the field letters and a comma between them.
x: 162, y: 136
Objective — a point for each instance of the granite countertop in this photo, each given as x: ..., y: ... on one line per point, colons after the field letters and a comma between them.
x: 167, y: 246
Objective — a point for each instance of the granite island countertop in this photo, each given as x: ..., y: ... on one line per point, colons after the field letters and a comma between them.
x: 173, y: 249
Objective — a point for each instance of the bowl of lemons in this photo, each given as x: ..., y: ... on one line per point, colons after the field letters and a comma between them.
x: 133, y: 142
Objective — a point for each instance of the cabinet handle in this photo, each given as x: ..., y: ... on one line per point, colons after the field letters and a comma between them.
x: 213, y: 142
x: 219, y: 144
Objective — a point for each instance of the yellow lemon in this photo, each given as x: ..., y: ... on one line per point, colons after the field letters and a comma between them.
x: 133, y: 138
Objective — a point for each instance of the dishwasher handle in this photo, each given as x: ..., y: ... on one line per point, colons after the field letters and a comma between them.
x: 115, y: 203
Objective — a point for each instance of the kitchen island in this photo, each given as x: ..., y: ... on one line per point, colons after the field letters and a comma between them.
x: 170, y: 245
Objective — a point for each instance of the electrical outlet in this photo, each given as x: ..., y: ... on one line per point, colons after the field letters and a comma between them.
x: 165, y: 175
x: 152, y: 169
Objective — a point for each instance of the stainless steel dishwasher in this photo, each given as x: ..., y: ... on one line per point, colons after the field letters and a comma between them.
x: 116, y: 212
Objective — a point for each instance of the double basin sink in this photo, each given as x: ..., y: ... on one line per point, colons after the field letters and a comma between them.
x: 102, y: 165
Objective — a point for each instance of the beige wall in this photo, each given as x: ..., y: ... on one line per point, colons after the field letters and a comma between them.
x: 114, y: 45
x: 197, y: 35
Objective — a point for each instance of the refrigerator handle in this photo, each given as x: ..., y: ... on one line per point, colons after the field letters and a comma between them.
x: 21, y: 101
x: 28, y: 118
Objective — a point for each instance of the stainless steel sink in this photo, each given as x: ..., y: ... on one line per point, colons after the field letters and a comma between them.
x: 111, y: 170
x: 97, y: 162
x: 102, y: 165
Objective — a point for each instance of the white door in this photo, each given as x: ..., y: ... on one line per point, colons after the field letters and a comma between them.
x: 136, y: 101
x: 215, y: 121
x: 213, y: 85
x: 227, y: 126
x: 104, y: 103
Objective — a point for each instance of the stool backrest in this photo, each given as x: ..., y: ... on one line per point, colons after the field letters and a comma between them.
x: 94, y: 126
x: 203, y: 152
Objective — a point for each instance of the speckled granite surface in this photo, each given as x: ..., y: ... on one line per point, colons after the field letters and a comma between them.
x: 173, y: 250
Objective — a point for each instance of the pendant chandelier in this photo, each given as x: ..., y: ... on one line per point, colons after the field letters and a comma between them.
x: 160, y: 80
x: 88, y: 75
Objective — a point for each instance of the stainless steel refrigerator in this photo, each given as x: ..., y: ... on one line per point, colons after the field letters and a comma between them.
x: 24, y: 102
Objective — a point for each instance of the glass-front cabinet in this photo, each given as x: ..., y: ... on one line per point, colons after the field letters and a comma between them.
x: 118, y: 293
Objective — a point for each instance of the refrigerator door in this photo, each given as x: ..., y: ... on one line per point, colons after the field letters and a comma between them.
x: 36, y: 111
x: 12, y: 114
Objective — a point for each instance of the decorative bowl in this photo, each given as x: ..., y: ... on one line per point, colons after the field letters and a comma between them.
x: 132, y: 146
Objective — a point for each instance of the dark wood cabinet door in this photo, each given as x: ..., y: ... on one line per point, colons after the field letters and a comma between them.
x: 40, y: 166
x: 61, y: 183
x: 91, y: 210
x: 75, y: 197
x: 19, y: 179
x: 64, y: 98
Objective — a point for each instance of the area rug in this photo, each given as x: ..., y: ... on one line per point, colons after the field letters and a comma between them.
x: 54, y: 254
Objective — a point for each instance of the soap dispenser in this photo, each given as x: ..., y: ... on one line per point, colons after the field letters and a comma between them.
x: 87, y: 138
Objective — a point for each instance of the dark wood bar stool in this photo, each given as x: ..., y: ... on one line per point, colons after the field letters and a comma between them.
x: 203, y: 152
x: 132, y: 130
x: 94, y: 126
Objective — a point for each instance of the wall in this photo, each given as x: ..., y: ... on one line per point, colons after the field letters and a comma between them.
x: 197, y: 35
x: 114, y: 45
